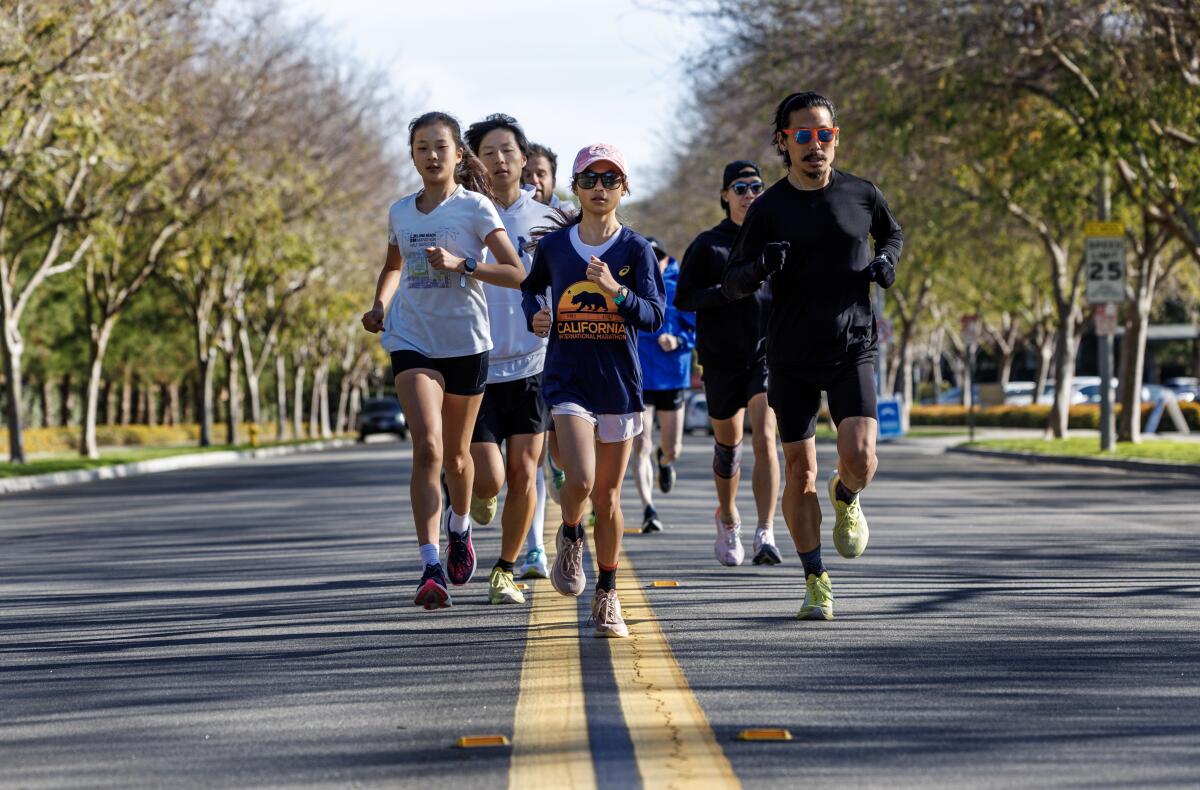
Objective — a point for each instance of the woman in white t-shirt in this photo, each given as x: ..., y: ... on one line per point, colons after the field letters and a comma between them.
x: 431, y: 308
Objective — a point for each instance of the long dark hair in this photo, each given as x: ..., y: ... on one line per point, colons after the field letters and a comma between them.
x: 470, y: 172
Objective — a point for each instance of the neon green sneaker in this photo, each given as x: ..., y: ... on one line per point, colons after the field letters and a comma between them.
x: 850, y: 533
x: 818, y: 599
x: 503, y: 589
x: 482, y: 510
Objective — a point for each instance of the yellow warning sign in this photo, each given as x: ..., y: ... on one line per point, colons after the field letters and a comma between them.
x: 1104, y: 229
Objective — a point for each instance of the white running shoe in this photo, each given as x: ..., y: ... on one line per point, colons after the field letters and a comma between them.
x: 765, y: 550
x: 728, y: 545
x: 535, y: 566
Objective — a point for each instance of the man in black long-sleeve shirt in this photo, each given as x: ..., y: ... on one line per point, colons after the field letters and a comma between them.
x: 808, y: 234
x: 731, y: 345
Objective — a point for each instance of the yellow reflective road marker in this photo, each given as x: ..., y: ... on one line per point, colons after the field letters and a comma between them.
x: 550, y: 736
x: 478, y: 741
x: 672, y: 740
x: 632, y: 531
x: 664, y: 583
x: 768, y: 734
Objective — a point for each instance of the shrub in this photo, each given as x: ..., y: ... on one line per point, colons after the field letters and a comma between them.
x: 1035, y: 417
x: 58, y: 440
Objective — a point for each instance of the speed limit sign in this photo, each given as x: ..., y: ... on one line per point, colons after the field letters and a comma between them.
x: 1104, y: 260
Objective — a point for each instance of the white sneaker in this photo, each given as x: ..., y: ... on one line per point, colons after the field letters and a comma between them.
x: 765, y: 550
x: 535, y: 566
x: 728, y: 545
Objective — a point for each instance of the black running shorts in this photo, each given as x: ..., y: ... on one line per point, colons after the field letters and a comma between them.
x: 463, y: 375
x: 663, y: 400
x: 796, y: 396
x: 511, y: 408
x: 728, y: 390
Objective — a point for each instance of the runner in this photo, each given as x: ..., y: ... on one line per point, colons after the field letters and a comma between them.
x: 731, y: 346
x: 606, y: 285
x: 541, y: 172
x: 430, y: 306
x: 666, y: 360
x: 808, y: 234
x: 512, y: 410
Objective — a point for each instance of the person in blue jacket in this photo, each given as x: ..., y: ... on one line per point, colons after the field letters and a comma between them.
x: 666, y: 360
x: 605, y: 285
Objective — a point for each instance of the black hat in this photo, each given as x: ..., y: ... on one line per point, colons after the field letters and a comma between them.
x: 742, y: 168
x: 658, y: 248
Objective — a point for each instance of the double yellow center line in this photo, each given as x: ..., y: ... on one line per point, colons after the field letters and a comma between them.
x: 673, y: 744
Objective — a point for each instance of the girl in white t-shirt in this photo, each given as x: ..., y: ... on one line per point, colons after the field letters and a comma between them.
x: 430, y: 307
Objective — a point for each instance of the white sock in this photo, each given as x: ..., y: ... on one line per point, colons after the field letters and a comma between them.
x: 457, y: 524
x: 430, y: 554
x: 534, y: 538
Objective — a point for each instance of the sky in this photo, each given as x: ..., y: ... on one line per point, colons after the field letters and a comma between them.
x: 571, y: 73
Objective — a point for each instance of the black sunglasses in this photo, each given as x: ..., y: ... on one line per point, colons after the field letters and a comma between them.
x: 587, y: 179
x: 741, y: 188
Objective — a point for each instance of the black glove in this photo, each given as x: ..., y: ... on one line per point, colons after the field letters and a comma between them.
x: 882, y: 271
x: 774, y: 256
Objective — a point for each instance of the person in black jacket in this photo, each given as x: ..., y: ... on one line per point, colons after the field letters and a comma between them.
x: 808, y: 234
x: 730, y: 343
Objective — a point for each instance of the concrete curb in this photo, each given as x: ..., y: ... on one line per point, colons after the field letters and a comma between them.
x: 1122, y: 464
x: 12, y: 485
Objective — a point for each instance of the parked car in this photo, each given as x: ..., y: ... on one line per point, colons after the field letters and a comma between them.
x: 695, y: 413
x: 382, y: 415
x: 952, y: 396
x: 1151, y: 393
x: 1019, y: 393
x: 1187, y: 388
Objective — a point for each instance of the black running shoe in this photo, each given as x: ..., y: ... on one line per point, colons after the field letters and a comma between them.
x: 650, y: 521
x: 666, y: 474
x: 432, y: 590
x: 460, y: 554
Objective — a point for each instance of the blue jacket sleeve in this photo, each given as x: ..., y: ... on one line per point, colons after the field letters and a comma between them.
x: 534, y: 285
x: 644, y: 306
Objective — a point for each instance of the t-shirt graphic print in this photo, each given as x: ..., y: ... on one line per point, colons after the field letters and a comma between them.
x: 587, y: 313
x: 417, y: 261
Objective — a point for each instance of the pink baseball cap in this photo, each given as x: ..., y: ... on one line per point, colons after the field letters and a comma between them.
x: 598, y: 152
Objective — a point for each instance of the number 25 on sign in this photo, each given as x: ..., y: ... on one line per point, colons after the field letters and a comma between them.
x: 1104, y: 260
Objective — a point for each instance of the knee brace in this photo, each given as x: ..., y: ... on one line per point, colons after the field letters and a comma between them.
x: 727, y: 459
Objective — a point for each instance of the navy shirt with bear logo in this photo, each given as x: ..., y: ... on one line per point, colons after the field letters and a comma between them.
x: 592, y: 356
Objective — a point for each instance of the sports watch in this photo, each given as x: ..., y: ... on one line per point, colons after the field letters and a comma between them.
x: 470, y: 265
x: 622, y: 293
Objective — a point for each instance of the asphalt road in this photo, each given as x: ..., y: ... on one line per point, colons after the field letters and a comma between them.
x: 246, y: 626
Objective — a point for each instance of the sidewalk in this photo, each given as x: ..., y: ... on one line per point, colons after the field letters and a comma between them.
x: 11, y: 485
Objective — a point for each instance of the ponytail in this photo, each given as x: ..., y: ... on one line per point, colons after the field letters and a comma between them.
x: 470, y: 173
x: 473, y: 174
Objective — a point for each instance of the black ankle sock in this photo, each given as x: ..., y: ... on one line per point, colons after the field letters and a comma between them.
x: 572, y: 531
x: 811, y: 560
x: 844, y: 494
x: 648, y: 512
x: 505, y: 565
x: 607, y: 580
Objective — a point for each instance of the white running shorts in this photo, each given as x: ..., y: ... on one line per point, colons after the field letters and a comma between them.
x: 610, y: 428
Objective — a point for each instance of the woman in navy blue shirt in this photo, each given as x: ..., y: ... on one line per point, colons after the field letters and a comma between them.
x: 604, y: 286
